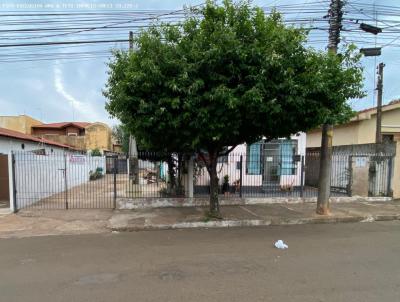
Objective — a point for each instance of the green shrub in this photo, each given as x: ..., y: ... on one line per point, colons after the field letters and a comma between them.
x: 95, y: 152
x: 98, y: 173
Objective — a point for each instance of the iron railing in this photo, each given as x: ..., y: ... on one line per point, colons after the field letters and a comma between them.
x: 70, y: 180
x: 63, y: 180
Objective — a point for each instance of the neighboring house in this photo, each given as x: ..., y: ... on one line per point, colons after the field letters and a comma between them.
x: 69, y: 133
x: 81, y: 135
x: 117, y: 148
x: 16, y: 141
x: 356, y: 135
x: 361, y: 128
x: 20, y: 123
x: 267, y: 165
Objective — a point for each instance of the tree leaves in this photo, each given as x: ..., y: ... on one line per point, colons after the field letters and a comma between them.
x: 228, y: 74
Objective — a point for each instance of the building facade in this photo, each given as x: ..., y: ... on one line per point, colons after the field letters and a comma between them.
x: 264, y: 165
x: 361, y: 130
x: 14, y: 141
x: 20, y: 123
x: 83, y: 136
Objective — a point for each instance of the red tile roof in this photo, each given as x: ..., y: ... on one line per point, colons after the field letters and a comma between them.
x: 18, y: 135
x: 63, y: 125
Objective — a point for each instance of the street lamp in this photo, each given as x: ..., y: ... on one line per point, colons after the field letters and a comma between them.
x: 370, y: 28
x: 371, y: 52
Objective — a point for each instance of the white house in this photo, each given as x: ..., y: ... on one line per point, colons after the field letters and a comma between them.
x: 16, y: 141
x: 262, y: 166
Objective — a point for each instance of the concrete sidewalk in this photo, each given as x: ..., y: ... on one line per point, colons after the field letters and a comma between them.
x: 252, y: 215
x: 69, y: 222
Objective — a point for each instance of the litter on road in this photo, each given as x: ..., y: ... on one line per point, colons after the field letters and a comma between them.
x: 281, y: 245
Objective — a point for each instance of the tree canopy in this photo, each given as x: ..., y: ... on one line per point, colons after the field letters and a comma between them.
x: 226, y: 75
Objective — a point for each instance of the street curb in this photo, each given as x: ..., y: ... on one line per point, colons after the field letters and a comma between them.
x: 156, y: 203
x: 255, y: 223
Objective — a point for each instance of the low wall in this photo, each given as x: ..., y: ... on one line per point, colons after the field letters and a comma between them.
x: 141, y: 203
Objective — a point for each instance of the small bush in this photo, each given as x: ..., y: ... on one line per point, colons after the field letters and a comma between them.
x: 93, y: 175
x: 95, y: 152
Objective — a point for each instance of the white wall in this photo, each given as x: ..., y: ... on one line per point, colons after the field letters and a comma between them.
x: 252, y: 180
x: 247, y: 179
x: 41, y: 176
x: 10, y: 144
x: 295, y: 180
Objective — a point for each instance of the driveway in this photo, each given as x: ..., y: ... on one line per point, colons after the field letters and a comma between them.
x: 94, y: 194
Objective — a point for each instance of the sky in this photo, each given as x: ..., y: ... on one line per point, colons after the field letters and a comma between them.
x: 65, y: 82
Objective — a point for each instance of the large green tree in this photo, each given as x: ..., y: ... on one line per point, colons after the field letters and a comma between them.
x: 228, y: 74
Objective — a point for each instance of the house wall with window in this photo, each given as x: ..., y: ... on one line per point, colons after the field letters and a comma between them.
x: 275, y: 162
x: 10, y: 144
x: 69, y: 130
x: 263, y: 163
x: 80, y: 135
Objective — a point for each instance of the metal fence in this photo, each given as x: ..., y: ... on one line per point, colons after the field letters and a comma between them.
x: 148, y: 176
x: 72, y: 181
x: 64, y: 180
x: 365, y: 170
x: 294, y: 175
x: 263, y: 175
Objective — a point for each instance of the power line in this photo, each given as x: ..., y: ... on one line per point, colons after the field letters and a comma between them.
x: 62, y: 43
x: 311, y: 16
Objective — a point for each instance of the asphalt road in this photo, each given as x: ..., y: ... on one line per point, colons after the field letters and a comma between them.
x: 346, y: 262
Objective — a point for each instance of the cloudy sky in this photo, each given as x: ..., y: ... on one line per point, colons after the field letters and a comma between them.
x: 64, y: 82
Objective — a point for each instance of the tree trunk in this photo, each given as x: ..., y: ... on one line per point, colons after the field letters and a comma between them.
x: 212, y: 169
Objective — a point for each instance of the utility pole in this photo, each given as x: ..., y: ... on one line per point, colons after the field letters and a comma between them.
x: 379, y: 88
x: 324, y: 185
x: 133, y: 151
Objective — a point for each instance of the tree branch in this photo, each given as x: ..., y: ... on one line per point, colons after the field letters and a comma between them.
x: 227, y: 151
x: 205, y: 161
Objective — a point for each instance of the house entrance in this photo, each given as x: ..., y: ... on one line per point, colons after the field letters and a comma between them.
x: 271, y: 162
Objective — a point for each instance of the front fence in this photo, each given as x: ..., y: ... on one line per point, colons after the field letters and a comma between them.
x: 357, y: 171
x: 273, y: 175
x: 69, y: 180
x: 64, y: 181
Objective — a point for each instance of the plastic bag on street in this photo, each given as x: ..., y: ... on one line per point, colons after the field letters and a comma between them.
x: 281, y: 245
